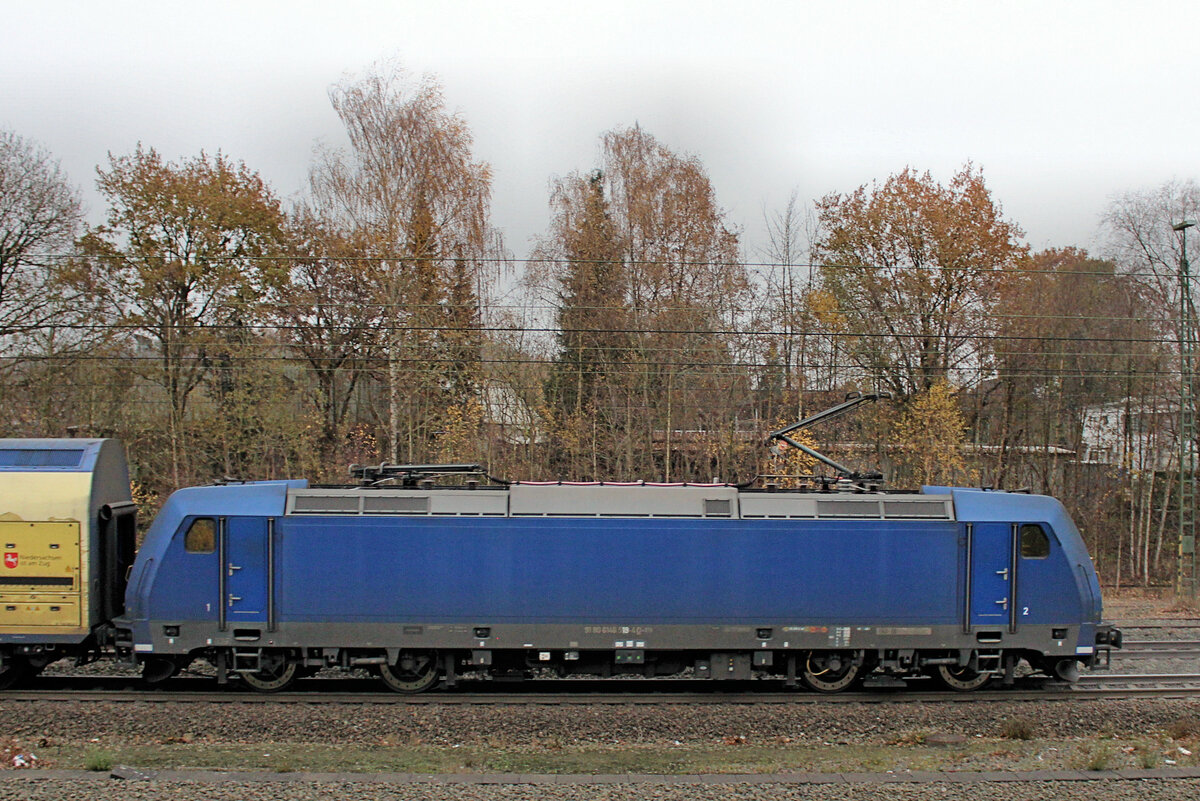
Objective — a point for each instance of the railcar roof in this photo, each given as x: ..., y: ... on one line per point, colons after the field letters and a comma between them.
x: 617, y: 500
x: 50, y: 455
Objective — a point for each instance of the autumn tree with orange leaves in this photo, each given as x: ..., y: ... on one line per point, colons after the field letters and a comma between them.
x: 180, y: 260
x: 914, y: 267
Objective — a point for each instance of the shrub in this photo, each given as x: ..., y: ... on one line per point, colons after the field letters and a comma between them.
x: 98, y: 760
x: 1097, y: 757
x: 1018, y: 728
x: 1148, y: 755
x: 909, y: 738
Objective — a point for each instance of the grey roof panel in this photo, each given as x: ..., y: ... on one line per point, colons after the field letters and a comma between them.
x: 610, y: 500
x: 563, y: 500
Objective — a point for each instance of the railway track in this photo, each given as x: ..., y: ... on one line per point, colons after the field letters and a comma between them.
x: 1139, y: 681
x: 1145, y: 649
x: 1158, y: 624
x: 587, y: 693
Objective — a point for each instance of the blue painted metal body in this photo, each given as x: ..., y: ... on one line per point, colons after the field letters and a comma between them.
x: 650, y: 571
x: 426, y: 570
x: 167, y: 582
x: 1062, y: 587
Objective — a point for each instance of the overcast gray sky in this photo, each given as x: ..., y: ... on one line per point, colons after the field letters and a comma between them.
x: 1063, y: 104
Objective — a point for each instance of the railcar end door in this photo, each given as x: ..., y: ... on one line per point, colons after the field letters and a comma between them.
x: 991, y: 574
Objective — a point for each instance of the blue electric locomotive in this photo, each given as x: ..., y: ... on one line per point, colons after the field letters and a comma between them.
x: 270, y: 581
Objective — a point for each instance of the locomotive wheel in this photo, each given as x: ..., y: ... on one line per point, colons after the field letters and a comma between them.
x: 277, y: 671
x: 15, y: 669
x: 830, y: 672
x: 414, y: 672
x: 961, y: 679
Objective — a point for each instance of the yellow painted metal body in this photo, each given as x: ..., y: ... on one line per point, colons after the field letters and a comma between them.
x: 44, y: 536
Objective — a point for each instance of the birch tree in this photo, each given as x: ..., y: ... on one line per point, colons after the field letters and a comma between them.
x: 409, y: 190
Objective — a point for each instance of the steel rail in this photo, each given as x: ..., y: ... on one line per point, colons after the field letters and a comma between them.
x: 617, y: 693
x: 1145, y: 649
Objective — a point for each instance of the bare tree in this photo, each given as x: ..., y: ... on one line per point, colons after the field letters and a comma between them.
x: 785, y: 307
x: 649, y: 286
x: 409, y: 190
x: 39, y: 215
x: 1140, y: 240
x: 1138, y: 227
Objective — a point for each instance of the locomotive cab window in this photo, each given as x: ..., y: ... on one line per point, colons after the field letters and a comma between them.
x: 201, y: 536
x: 1035, y: 544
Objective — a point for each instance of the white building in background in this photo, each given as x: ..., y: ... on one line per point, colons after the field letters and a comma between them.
x: 1140, y: 436
x: 516, y: 422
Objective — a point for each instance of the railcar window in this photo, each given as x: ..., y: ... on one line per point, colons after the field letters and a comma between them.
x: 201, y: 536
x: 1034, y: 542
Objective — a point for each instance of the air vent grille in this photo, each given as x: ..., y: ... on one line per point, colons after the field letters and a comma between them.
x: 325, y: 504
x: 396, y: 505
x: 848, y: 508
x: 717, y: 507
x: 924, y: 510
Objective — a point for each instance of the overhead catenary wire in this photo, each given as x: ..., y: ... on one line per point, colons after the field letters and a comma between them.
x: 1168, y: 270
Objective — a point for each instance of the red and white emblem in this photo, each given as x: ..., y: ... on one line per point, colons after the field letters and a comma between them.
x: 10, y: 559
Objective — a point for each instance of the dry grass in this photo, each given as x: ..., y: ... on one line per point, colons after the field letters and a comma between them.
x: 1096, y: 756
x: 1018, y: 728
x: 908, y: 751
x: 1184, y: 728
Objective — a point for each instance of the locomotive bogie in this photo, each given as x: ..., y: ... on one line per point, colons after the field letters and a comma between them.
x: 412, y: 670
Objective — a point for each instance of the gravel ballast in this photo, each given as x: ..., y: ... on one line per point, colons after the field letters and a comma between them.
x: 1081, y: 724
x: 146, y: 722
x: 1110, y: 790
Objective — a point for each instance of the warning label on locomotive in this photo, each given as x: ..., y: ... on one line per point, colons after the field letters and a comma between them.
x: 617, y: 629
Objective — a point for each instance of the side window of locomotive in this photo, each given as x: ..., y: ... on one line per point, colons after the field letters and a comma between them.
x: 201, y: 536
x: 1034, y: 542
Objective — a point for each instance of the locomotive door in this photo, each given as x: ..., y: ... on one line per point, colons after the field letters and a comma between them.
x: 245, y: 569
x: 991, y: 593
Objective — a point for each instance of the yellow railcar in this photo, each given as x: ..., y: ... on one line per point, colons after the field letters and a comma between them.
x: 67, y: 540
